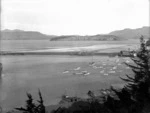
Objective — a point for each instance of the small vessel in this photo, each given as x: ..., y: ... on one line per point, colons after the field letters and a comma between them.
x: 66, y: 71
x: 92, y: 62
x: 78, y: 68
x: 1, y: 69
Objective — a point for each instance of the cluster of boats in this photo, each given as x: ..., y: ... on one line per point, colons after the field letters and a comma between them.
x: 77, y: 71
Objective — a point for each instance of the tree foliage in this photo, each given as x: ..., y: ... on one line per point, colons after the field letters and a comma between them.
x: 31, y: 107
x: 139, y: 84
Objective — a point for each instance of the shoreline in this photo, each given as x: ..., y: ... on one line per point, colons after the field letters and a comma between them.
x: 61, y: 53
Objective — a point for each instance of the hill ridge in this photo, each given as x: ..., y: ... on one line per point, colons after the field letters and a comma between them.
x: 124, y: 34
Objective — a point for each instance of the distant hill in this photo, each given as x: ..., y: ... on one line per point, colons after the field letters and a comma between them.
x: 113, y: 36
x: 85, y: 38
x: 23, y: 35
x: 132, y: 33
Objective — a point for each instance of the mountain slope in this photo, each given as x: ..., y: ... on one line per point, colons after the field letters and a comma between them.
x: 85, y: 38
x: 132, y: 33
x: 115, y: 35
x: 23, y: 35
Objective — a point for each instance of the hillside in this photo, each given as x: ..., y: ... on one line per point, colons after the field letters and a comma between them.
x: 113, y: 36
x: 132, y: 33
x: 23, y: 35
x: 85, y: 38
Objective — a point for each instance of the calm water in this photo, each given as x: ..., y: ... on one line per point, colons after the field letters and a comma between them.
x: 23, y: 74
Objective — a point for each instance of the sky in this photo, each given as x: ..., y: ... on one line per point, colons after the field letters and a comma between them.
x: 74, y: 17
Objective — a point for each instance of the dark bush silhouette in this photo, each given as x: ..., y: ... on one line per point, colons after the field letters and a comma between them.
x: 31, y: 107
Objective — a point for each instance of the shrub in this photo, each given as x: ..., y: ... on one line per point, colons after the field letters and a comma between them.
x: 31, y: 107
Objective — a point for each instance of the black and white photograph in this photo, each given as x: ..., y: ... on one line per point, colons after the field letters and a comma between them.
x: 74, y: 56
